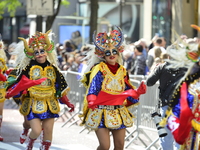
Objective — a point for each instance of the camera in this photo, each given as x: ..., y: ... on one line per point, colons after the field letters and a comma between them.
x: 161, y: 130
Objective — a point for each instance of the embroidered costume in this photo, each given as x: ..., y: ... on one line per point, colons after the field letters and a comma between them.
x: 39, y: 87
x: 183, y: 115
x: 108, y: 86
x: 41, y: 99
x: 3, y: 70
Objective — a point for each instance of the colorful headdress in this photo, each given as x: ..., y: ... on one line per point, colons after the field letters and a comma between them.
x: 194, y: 56
x: 104, y: 41
x: 37, y: 40
x: 2, y: 56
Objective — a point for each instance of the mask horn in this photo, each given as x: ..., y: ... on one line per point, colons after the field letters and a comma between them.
x: 94, y: 40
x: 122, y: 37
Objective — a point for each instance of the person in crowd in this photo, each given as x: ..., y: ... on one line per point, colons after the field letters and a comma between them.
x: 168, y: 79
x: 109, y: 91
x: 139, y: 66
x: 68, y: 46
x: 40, y: 86
x: 159, y: 43
x: 69, y: 59
x: 3, y: 69
x: 59, y: 49
x: 183, y: 114
x: 128, y: 56
x: 157, y: 60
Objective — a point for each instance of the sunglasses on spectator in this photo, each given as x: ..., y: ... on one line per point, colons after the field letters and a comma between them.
x: 37, y: 53
x: 108, y: 52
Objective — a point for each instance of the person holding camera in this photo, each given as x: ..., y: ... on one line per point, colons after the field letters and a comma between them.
x: 168, y: 79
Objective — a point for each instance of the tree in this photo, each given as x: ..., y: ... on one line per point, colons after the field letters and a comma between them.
x: 93, y: 17
x: 11, y: 6
x: 50, y: 19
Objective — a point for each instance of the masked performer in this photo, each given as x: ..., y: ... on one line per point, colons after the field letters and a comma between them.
x: 3, y: 69
x: 109, y: 91
x: 40, y: 87
x: 183, y: 115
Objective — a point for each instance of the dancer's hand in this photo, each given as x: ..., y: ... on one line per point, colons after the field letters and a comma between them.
x: 66, y: 101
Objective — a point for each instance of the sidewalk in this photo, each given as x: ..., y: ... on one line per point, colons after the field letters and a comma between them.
x: 64, y: 138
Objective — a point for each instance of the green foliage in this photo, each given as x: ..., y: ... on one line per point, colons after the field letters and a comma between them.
x: 65, y: 3
x: 10, y: 6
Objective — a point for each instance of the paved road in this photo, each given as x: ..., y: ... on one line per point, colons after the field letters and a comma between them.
x: 64, y: 138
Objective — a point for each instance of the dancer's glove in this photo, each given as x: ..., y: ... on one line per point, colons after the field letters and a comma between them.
x: 65, y: 100
x: 141, y: 90
x: 2, y: 77
x: 91, y: 99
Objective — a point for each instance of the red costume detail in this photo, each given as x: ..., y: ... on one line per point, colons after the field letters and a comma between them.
x: 113, y: 68
x: 186, y: 117
x: 65, y: 100
x: 22, y: 85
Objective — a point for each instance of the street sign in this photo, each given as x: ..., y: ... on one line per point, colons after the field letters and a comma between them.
x: 39, y: 7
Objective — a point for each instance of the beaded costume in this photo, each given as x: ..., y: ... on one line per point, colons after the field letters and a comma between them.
x: 183, y: 115
x: 41, y: 100
x: 109, y: 86
x: 3, y: 69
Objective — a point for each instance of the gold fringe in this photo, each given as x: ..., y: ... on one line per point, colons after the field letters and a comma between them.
x: 65, y: 91
x: 182, y: 147
x: 195, y: 125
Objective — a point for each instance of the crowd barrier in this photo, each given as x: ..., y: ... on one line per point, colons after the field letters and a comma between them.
x: 142, y: 122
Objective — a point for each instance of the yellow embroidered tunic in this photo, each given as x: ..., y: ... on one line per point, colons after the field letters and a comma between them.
x: 41, y: 101
x: 3, y: 68
x: 112, y: 117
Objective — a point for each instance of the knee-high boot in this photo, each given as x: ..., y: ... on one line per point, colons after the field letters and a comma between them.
x: 45, y: 145
x: 30, y: 144
x: 1, y: 138
x: 23, y: 135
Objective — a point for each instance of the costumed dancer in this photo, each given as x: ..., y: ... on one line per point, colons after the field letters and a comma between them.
x: 40, y: 86
x: 183, y: 115
x: 11, y: 79
x: 3, y: 69
x: 109, y: 91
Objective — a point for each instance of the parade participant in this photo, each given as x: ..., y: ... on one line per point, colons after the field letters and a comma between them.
x: 3, y: 69
x: 12, y: 76
x: 168, y: 79
x: 183, y: 114
x: 40, y: 87
x: 109, y: 91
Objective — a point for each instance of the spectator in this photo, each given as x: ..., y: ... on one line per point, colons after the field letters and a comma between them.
x: 128, y: 56
x: 140, y: 61
x: 157, y: 60
x: 168, y: 79
x: 160, y: 42
x: 68, y: 46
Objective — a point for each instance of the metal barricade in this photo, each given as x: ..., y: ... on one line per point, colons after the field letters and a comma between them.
x: 133, y: 134
x: 147, y: 106
x: 137, y: 77
x: 76, y: 96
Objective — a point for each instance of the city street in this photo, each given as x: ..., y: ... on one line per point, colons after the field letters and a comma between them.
x: 64, y: 138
